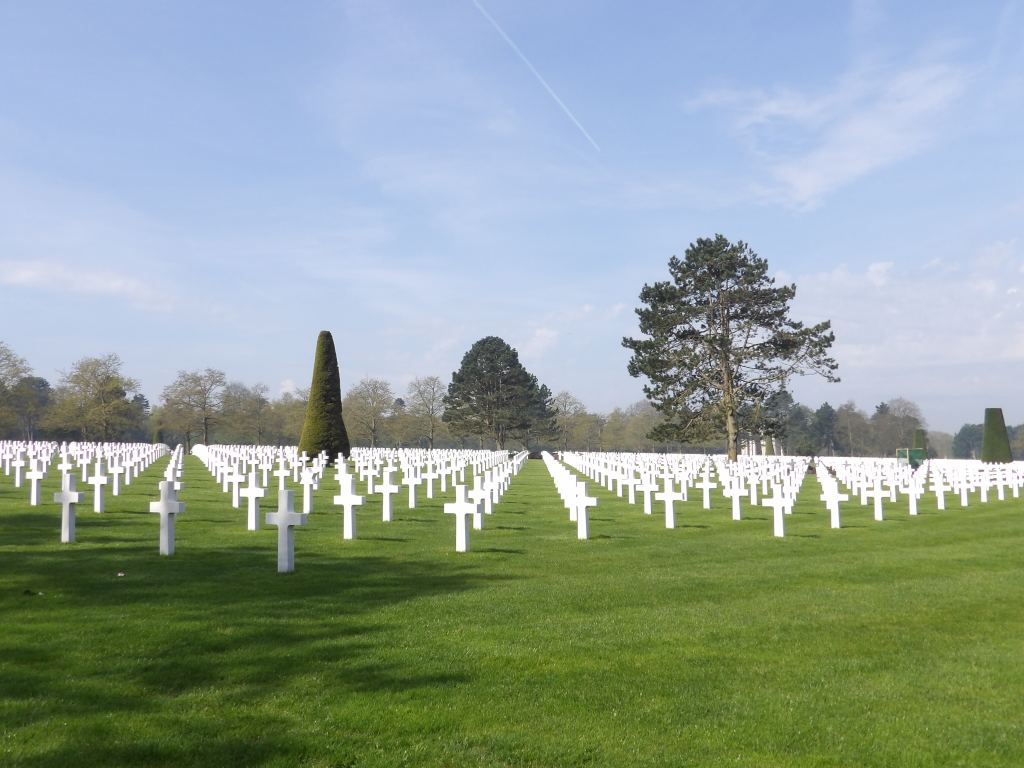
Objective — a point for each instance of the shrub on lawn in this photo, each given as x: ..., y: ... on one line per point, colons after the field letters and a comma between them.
x: 995, y: 442
x: 324, y: 427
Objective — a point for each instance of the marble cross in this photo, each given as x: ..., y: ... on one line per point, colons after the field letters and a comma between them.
x: 669, y: 496
x: 348, y: 499
x: 97, y: 481
x: 582, y: 503
x: 387, y: 489
x: 778, y: 502
x: 462, y: 508
x: 168, y: 508
x: 34, y: 476
x: 286, y: 518
x: 67, y: 497
x: 252, y: 493
x: 831, y: 496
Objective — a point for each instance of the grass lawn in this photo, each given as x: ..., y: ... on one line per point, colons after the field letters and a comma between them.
x: 882, y: 644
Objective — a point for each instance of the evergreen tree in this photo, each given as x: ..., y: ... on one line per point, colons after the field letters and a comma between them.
x: 824, y: 429
x: 324, y: 427
x: 995, y: 444
x: 718, y: 336
x: 493, y: 396
x: 967, y: 441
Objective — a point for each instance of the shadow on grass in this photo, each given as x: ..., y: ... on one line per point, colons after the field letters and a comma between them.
x: 199, y: 749
x: 503, y: 551
x: 20, y: 529
x: 203, y: 620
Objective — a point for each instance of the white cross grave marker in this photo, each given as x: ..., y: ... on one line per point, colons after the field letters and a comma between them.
x: 462, y: 508
x: 97, y: 481
x: 308, y: 482
x: 67, y: 498
x: 252, y: 493
x: 35, y: 477
x: 348, y: 499
x: 832, y: 497
x: 412, y: 480
x: 670, y: 496
x: 706, y: 485
x: 582, y: 502
x: 168, y: 507
x: 286, y: 518
x: 877, y: 493
x: 778, y: 502
x: 387, y: 489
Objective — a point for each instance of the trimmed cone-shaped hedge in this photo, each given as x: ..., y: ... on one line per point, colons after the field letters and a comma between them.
x: 324, y: 428
x: 995, y: 442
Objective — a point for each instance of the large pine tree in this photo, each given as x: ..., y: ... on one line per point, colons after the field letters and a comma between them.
x: 493, y: 396
x: 324, y: 427
x: 718, y: 337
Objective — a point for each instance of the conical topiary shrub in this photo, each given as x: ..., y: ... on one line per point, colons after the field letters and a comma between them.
x: 995, y: 442
x: 324, y: 428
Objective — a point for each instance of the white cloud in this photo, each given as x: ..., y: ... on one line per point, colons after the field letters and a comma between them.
x: 539, y: 343
x: 998, y: 254
x: 925, y: 332
x: 60, y: 278
x: 913, y: 318
x: 809, y: 145
x: 878, y: 273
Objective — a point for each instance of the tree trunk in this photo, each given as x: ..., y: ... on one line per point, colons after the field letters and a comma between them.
x: 732, y: 436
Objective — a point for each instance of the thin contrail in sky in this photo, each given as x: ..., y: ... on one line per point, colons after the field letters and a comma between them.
x: 536, y: 74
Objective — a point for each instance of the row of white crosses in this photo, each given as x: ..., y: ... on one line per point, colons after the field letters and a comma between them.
x: 573, y: 493
x: 233, y: 464
x: 881, y: 480
x: 668, y: 478
x: 32, y: 461
x: 168, y: 506
x: 69, y: 497
x: 18, y: 458
x: 774, y: 482
x: 491, y: 473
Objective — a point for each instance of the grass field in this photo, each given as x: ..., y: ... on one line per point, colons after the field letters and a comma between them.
x: 883, y: 644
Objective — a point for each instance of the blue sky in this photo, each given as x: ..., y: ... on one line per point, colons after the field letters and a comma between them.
x: 194, y: 184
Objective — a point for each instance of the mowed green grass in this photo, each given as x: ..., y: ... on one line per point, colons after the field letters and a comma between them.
x: 882, y: 644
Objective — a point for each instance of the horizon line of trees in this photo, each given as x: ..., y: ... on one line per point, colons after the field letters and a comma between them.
x: 95, y: 400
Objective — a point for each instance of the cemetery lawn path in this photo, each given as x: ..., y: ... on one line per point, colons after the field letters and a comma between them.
x: 882, y: 644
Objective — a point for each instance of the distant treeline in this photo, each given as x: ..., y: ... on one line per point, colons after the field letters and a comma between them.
x: 94, y: 400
